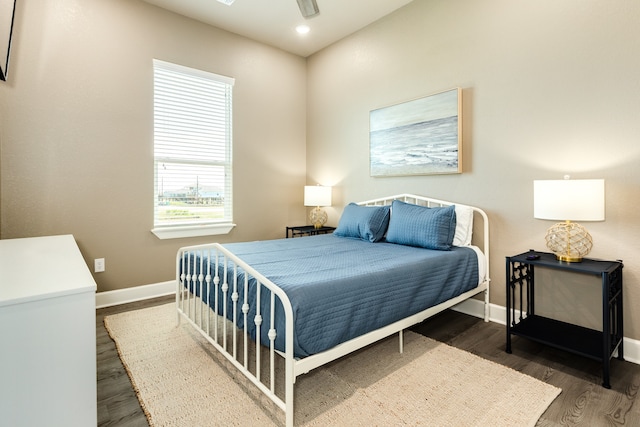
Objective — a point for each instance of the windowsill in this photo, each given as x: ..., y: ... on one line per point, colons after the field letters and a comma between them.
x: 182, y: 231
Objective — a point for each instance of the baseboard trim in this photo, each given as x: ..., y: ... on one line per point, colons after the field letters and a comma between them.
x: 472, y: 307
x: 498, y: 314
x: 136, y: 293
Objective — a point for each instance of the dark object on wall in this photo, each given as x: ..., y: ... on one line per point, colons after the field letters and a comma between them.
x: 7, y: 12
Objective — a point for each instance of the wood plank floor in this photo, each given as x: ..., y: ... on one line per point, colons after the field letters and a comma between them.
x: 583, y: 401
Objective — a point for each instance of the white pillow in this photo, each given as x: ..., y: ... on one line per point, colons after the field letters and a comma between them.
x: 464, y: 226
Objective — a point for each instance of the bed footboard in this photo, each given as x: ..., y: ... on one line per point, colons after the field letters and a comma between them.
x: 210, y: 298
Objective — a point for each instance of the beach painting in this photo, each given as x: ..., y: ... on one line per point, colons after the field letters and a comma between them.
x: 419, y: 137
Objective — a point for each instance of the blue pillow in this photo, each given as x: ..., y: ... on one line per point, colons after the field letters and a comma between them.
x: 413, y: 225
x: 363, y: 222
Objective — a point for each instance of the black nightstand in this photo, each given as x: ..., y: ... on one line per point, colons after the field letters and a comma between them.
x: 307, y: 230
x: 523, y: 321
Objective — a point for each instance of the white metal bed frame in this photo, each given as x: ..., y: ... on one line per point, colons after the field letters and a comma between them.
x: 194, y: 310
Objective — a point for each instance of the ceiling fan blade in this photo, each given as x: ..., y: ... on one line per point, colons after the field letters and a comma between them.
x: 308, y: 8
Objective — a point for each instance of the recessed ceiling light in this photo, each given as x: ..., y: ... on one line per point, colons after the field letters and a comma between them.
x: 303, y: 29
x: 227, y: 2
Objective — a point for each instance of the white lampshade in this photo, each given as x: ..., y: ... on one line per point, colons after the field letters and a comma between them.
x: 569, y: 199
x: 317, y: 195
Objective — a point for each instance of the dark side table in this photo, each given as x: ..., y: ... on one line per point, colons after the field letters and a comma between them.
x: 307, y: 230
x: 523, y: 321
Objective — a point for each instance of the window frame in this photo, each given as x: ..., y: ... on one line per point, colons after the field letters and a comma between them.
x: 195, y: 228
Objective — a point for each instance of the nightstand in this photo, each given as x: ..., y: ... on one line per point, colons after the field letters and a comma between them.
x: 307, y: 230
x: 523, y: 321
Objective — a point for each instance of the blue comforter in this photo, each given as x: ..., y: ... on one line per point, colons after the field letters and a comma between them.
x: 341, y: 288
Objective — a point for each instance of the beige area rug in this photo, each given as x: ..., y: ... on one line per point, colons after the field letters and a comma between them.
x: 181, y: 381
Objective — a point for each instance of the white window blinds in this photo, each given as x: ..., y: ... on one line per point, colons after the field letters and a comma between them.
x: 192, y: 146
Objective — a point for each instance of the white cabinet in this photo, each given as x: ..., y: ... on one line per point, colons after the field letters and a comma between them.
x: 47, y: 334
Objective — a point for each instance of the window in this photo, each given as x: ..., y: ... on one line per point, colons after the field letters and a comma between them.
x: 192, y: 152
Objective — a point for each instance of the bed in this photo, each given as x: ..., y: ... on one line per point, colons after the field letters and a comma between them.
x: 391, y: 263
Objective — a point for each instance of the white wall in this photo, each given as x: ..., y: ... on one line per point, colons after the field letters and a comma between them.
x: 549, y: 87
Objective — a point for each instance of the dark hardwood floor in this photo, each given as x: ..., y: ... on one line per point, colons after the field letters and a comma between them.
x: 583, y: 401
x: 117, y: 401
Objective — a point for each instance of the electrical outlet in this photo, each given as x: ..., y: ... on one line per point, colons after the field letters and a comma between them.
x: 98, y: 265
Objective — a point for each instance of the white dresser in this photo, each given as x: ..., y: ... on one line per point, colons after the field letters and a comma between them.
x: 47, y: 334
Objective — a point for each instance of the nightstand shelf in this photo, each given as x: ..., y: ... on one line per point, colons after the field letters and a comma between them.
x: 523, y: 321
x: 565, y: 336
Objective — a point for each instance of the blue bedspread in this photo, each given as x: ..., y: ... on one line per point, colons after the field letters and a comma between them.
x: 341, y: 288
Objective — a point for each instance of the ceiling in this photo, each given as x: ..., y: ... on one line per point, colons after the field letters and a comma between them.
x: 273, y: 22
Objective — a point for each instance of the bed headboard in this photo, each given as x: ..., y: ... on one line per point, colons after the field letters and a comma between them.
x: 480, y: 219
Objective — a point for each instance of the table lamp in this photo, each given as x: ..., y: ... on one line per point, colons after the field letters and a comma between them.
x: 569, y: 200
x: 317, y: 195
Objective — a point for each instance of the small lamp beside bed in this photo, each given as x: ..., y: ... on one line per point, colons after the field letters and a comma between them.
x: 569, y: 200
x: 317, y: 195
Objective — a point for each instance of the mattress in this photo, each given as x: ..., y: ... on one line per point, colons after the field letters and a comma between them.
x: 341, y: 288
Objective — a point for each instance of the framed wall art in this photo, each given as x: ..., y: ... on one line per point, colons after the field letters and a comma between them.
x: 419, y: 137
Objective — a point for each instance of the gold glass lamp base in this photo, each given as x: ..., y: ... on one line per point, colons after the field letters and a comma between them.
x: 569, y: 241
x: 318, y: 217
